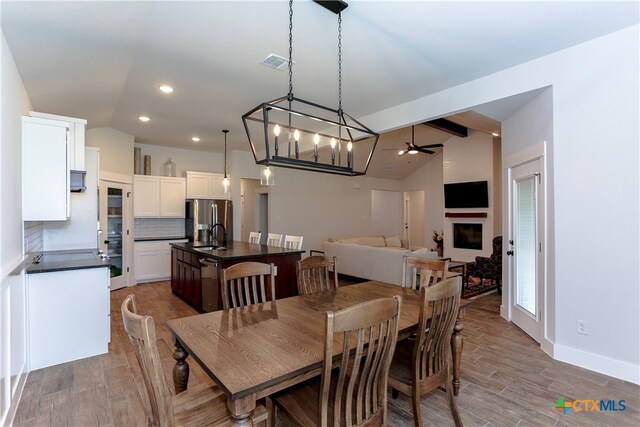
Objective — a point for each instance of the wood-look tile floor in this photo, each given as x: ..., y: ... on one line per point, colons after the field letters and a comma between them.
x: 506, y: 379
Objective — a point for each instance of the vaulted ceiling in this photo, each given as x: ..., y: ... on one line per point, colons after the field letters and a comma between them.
x: 103, y: 61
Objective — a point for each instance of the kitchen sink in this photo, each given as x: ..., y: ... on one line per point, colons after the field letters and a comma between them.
x: 211, y: 248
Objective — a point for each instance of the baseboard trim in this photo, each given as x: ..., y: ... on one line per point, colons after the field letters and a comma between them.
x: 601, y: 364
x: 13, y: 407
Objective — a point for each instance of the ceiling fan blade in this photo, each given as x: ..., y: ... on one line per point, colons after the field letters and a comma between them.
x: 422, y: 150
x: 431, y: 146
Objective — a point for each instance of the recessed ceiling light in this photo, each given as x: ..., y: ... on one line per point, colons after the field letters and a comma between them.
x: 195, y: 139
x: 144, y: 118
x: 495, y: 134
x: 165, y: 88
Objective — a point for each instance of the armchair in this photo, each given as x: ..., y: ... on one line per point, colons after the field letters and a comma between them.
x: 488, y: 268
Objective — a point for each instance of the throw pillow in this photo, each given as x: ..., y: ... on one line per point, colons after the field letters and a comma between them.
x: 393, y: 242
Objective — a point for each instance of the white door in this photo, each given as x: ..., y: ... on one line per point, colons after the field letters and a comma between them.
x: 406, y: 235
x: 524, y: 248
x: 116, y: 231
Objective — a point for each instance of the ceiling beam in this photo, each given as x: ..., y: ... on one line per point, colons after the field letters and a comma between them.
x: 448, y: 126
x: 335, y: 6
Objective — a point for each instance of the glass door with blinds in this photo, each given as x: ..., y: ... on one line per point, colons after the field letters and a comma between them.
x: 525, y: 248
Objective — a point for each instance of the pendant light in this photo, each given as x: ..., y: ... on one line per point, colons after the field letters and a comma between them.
x: 225, y: 181
x: 293, y: 133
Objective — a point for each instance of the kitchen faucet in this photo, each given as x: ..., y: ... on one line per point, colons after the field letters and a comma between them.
x: 224, y: 233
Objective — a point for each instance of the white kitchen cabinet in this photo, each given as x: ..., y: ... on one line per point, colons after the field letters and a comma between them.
x: 146, y: 196
x: 172, y: 195
x: 156, y: 196
x: 75, y: 138
x: 153, y: 260
x: 52, y: 146
x: 69, y: 315
x: 204, y: 185
x: 45, y: 175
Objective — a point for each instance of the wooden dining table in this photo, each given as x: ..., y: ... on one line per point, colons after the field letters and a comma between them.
x: 254, y: 351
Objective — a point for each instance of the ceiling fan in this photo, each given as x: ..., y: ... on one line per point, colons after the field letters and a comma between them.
x: 412, y: 148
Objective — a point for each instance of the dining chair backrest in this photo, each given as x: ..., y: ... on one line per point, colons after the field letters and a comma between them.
x: 361, y: 383
x: 142, y: 333
x: 431, y: 271
x: 274, y: 239
x: 292, y: 242
x: 254, y: 237
x: 316, y: 274
x: 247, y: 283
x: 431, y: 349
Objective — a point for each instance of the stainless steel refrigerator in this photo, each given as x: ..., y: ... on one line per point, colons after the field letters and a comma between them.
x: 203, y: 214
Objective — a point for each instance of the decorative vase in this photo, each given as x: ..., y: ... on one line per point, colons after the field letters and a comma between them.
x: 147, y: 165
x: 169, y: 168
x: 136, y: 160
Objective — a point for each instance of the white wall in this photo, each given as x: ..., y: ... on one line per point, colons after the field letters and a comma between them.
x: 13, y: 351
x: 386, y: 212
x: 116, y: 153
x: 595, y: 153
x: 469, y: 159
x: 185, y: 160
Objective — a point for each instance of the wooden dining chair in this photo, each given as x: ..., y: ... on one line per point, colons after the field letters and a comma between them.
x: 431, y: 271
x: 274, y: 239
x: 316, y: 274
x: 198, y: 406
x: 422, y: 365
x: 254, y: 237
x: 248, y: 283
x: 356, y: 392
x: 292, y: 242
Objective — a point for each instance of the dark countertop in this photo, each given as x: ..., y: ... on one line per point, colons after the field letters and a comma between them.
x: 65, y: 260
x: 236, y: 250
x: 157, y: 239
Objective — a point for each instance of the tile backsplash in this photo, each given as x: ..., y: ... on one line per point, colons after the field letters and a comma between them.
x: 32, y: 236
x: 145, y: 228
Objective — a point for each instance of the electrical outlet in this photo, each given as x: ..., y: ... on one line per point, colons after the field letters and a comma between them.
x: 275, y: 270
x: 582, y: 327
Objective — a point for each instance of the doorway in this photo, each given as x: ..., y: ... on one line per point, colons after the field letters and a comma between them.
x: 254, y: 199
x: 115, y: 230
x: 525, y: 247
x: 414, y: 218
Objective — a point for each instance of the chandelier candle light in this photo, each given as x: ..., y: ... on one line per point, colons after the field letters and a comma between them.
x: 316, y: 132
x: 225, y: 181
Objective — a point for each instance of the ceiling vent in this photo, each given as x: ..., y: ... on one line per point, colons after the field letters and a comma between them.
x: 276, y: 61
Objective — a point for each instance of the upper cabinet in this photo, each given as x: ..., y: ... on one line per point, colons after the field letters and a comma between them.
x: 202, y: 185
x: 50, y: 146
x: 158, y: 196
x: 75, y: 138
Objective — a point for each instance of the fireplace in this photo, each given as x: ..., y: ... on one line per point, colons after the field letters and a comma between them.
x: 467, y: 236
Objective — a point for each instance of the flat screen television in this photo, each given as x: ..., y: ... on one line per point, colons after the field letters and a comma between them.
x: 466, y: 195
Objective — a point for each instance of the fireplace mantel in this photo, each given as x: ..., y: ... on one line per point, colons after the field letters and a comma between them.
x: 465, y: 214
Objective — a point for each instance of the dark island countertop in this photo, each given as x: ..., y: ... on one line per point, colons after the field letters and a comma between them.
x: 235, y: 250
x: 157, y: 239
x: 65, y: 260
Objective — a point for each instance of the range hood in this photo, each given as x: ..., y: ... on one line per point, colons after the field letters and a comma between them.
x: 76, y: 181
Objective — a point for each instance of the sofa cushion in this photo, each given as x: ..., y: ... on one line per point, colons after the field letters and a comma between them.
x: 375, y: 241
x: 393, y: 242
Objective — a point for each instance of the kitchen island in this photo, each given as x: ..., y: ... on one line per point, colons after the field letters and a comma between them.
x: 196, y: 270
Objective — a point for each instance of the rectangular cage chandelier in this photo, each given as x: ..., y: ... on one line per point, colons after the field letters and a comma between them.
x: 293, y: 133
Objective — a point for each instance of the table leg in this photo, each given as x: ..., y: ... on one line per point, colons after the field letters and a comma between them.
x: 456, y: 351
x: 241, y: 410
x: 181, y: 369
